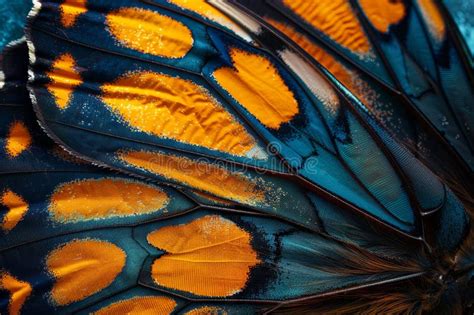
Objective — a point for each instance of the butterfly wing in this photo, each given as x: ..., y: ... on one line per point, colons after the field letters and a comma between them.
x: 81, y: 68
x: 242, y: 242
x: 399, y: 37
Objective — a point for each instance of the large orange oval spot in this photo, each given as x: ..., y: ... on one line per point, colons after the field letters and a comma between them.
x: 383, y: 13
x: 257, y: 85
x: 64, y: 79
x: 201, y: 175
x: 150, y: 32
x: 18, y: 139
x: 70, y: 11
x: 19, y: 291
x: 91, y: 199
x: 210, y: 256
x: 82, y: 268
x: 17, y: 208
x: 142, y: 305
x: 171, y: 107
x: 336, y: 19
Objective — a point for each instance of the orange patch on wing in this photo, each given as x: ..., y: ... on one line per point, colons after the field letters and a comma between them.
x: 207, y: 310
x: 171, y: 107
x: 383, y: 13
x: 206, y: 10
x: 433, y: 18
x: 19, y: 291
x: 17, y: 208
x: 141, y: 305
x: 18, y: 139
x: 150, y: 32
x: 210, y: 256
x: 82, y: 268
x: 256, y: 84
x: 197, y: 174
x: 347, y: 77
x: 70, y: 11
x: 336, y: 19
x: 64, y: 79
x: 91, y: 199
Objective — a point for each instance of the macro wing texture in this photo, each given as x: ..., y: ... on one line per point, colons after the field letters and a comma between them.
x: 211, y: 157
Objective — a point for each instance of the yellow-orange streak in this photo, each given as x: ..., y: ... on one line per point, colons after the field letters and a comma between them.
x: 256, y: 84
x: 19, y: 291
x: 142, y: 305
x: 433, y: 18
x: 18, y: 139
x: 213, y: 198
x: 383, y: 13
x: 210, y: 256
x: 206, y: 10
x: 207, y: 310
x: 91, y: 199
x: 175, y: 108
x: 17, y: 208
x: 197, y: 174
x: 347, y: 77
x: 70, y: 11
x: 336, y: 19
x: 82, y: 268
x: 64, y: 79
x: 150, y: 32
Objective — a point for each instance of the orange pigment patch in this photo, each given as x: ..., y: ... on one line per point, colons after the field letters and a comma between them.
x: 17, y: 208
x: 197, y: 174
x: 351, y: 80
x: 433, y: 18
x: 64, y: 79
x: 210, y: 256
x: 336, y: 19
x: 142, y: 305
x: 256, y: 84
x: 82, y: 268
x: 206, y: 10
x: 70, y: 11
x: 171, y: 107
x: 150, y: 32
x: 383, y: 13
x: 18, y: 139
x: 92, y: 199
x: 207, y: 310
x: 19, y: 291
